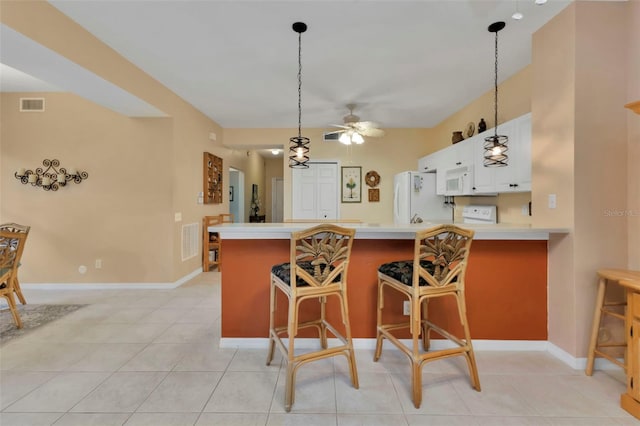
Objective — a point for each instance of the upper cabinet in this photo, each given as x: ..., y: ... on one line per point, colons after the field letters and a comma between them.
x: 515, y: 177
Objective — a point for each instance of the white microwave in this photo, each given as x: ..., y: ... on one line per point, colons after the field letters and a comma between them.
x: 459, y: 181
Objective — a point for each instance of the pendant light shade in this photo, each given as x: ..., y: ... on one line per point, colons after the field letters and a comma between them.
x: 495, y: 146
x: 299, y: 145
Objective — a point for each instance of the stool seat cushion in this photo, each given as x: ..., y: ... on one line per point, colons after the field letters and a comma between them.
x: 283, y: 272
x: 402, y: 271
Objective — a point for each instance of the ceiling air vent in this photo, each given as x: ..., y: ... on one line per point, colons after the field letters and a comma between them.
x: 31, y: 104
x: 330, y: 137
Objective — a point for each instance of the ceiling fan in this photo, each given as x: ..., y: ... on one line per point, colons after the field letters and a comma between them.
x: 353, y: 130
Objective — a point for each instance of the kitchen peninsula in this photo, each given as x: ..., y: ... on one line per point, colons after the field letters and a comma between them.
x: 506, y: 284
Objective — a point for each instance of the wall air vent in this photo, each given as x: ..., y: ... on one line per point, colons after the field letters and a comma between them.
x: 31, y: 104
x: 330, y: 137
x: 190, y: 241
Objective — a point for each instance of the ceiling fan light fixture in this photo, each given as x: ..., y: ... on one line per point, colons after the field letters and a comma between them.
x: 345, y: 138
x: 357, y: 138
x: 299, y: 145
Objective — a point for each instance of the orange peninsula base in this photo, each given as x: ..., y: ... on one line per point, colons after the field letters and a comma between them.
x: 506, y: 288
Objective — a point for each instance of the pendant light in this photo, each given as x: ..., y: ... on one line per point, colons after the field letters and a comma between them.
x: 299, y: 145
x: 495, y: 147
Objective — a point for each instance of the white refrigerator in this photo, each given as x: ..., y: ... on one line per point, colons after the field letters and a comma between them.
x: 415, y: 199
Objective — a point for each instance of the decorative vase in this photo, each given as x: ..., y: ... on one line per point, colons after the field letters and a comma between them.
x: 482, y: 125
x: 457, y: 137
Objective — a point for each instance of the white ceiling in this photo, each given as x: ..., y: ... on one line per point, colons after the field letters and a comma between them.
x: 405, y: 63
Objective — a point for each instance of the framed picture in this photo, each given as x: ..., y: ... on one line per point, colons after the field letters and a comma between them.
x: 351, y: 184
x: 230, y: 192
x: 374, y: 195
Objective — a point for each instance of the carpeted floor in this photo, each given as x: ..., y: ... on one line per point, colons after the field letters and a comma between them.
x: 32, y: 316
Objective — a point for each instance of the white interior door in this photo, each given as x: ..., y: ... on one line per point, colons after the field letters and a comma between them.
x: 315, y: 191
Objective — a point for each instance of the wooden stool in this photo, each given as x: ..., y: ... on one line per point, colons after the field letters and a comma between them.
x: 604, y: 308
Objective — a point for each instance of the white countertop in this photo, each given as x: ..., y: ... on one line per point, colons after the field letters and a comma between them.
x: 381, y: 231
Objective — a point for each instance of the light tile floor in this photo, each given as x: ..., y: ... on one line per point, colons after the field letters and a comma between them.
x: 151, y: 357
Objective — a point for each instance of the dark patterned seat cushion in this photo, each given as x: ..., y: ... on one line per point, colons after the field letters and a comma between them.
x: 283, y: 271
x: 402, y: 271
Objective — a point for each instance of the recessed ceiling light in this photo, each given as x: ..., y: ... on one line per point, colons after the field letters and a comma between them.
x: 275, y: 151
x: 541, y: 1
x: 517, y: 16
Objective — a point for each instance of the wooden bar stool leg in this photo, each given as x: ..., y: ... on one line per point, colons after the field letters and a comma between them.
x: 595, y: 329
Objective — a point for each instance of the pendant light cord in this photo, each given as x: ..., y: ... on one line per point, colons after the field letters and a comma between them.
x: 495, y: 100
x: 299, y: 85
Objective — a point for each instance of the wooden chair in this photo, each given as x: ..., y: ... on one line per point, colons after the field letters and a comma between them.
x: 226, y: 218
x: 611, y: 308
x: 211, y: 244
x: 319, y: 259
x: 11, y: 247
x: 437, y: 270
x: 14, y: 227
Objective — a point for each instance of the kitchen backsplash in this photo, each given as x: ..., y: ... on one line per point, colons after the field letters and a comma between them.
x: 510, y: 207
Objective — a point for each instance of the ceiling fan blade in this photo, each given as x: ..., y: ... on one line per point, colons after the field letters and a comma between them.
x: 372, y: 132
x: 366, y: 124
x: 341, y: 126
x: 335, y: 132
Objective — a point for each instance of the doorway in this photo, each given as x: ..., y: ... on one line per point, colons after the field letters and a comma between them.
x: 236, y: 194
x: 277, y: 200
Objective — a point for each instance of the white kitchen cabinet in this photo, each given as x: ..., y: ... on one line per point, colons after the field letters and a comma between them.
x: 433, y: 162
x: 516, y: 176
x: 429, y: 163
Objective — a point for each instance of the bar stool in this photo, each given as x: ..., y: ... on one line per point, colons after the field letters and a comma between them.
x: 319, y: 259
x: 437, y: 270
x: 604, y: 307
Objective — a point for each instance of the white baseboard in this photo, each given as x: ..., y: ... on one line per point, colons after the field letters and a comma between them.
x: 580, y: 363
x: 111, y: 286
x: 479, y: 345
x: 370, y: 344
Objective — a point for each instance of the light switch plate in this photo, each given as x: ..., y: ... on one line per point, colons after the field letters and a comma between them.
x: 177, y: 217
x: 552, y: 201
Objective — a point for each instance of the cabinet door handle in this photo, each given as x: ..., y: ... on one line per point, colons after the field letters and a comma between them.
x: 458, y: 163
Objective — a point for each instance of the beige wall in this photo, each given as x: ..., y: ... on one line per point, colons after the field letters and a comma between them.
x: 120, y: 214
x: 633, y: 137
x: 579, y: 137
x: 177, y: 161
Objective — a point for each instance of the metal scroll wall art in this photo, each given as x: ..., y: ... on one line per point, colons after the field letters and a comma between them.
x: 51, y: 177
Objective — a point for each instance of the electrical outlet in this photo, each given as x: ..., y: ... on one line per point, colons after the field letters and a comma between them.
x: 98, y: 263
x: 406, y: 308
